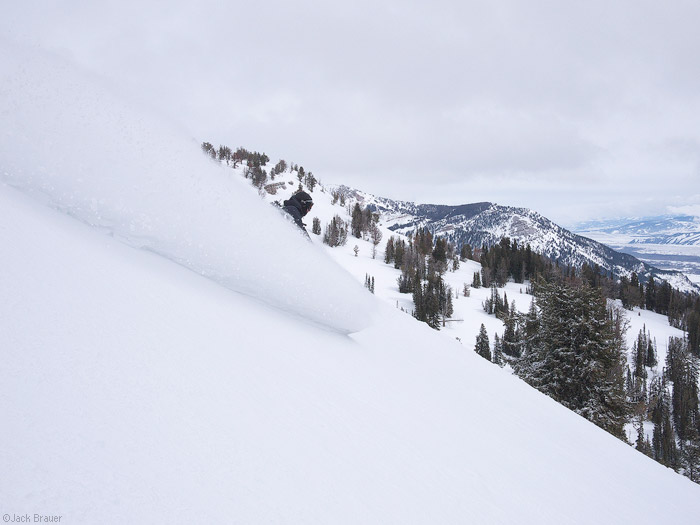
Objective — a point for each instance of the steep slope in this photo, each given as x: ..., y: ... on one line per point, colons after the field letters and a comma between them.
x: 136, y: 389
x: 155, y: 394
x: 68, y: 140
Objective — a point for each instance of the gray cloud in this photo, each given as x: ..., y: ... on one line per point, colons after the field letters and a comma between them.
x: 573, y: 109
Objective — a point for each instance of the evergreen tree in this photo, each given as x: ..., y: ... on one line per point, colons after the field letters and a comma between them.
x: 445, y: 300
x: 476, y: 281
x: 682, y: 368
x: 690, y: 456
x: 497, y: 351
x: 482, y: 344
x: 650, y: 294
x: 577, y: 360
x: 336, y: 233
x: 531, y: 328
x: 389, y: 251
x: 465, y: 252
x: 399, y: 250
x: 356, y: 224
x: 316, y: 226
x: 664, y: 448
x: 440, y: 250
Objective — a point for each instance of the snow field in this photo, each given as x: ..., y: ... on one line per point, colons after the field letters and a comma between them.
x: 68, y: 140
x: 194, y: 381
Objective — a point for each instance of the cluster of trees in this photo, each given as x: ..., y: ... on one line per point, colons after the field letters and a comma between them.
x: 255, y: 165
x: 338, y: 197
x: 336, y: 232
x: 369, y: 282
x: 670, y: 402
x: 304, y: 177
x: 422, y: 268
x: 509, y: 260
x: 682, y: 309
x: 570, y: 345
x: 364, y: 224
x: 575, y: 353
x: 643, y: 356
x: 255, y: 162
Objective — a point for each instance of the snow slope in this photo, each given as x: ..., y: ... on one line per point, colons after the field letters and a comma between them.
x: 69, y: 140
x: 160, y: 384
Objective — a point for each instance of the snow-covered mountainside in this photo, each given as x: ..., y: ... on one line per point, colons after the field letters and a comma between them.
x: 667, y: 242
x: 485, y: 223
x: 663, y: 229
x: 174, y: 351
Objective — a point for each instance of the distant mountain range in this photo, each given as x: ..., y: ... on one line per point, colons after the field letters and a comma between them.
x: 484, y: 223
x: 662, y: 229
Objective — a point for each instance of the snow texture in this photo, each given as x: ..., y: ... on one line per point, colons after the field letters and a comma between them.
x: 68, y: 140
x: 135, y: 390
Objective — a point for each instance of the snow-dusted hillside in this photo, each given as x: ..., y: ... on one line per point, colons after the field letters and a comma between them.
x: 485, y: 223
x: 180, y: 354
x: 664, y: 229
x: 667, y: 242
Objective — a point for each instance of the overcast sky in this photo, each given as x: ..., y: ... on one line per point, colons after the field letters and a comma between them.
x: 577, y: 110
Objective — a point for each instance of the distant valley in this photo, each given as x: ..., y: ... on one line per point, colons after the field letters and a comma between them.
x: 667, y: 242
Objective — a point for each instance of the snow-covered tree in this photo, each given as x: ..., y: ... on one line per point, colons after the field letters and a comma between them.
x: 482, y: 344
x: 577, y: 360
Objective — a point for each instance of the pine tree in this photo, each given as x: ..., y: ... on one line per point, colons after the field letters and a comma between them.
x: 336, y: 233
x: 683, y: 370
x: 690, y: 456
x: 577, y: 360
x: 356, y: 224
x: 482, y: 344
x: 664, y: 448
x: 389, y: 251
x: 476, y: 281
x: 497, y: 351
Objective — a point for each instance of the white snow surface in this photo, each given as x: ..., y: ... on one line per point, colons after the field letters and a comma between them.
x: 69, y: 140
x: 135, y: 390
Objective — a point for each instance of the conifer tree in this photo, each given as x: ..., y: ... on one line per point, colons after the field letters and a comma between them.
x: 476, y: 281
x: 664, y: 448
x: 482, y: 344
x: 336, y: 233
x: 356, y: 223
x: 577, y: 360
x: 497, y: 351
x: 389, y: 251
x: 465, y: 252
x: 683, y: 369
x: 690, y: 456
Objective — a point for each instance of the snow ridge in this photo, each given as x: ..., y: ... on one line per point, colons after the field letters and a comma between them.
x: 486, y: 224
x: 69, y: 141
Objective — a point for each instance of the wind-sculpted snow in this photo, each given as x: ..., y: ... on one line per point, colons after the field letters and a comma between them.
x: 66, y: 139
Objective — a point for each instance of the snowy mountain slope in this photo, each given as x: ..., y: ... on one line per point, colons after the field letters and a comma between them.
x: 485, y: 223
x: 153, y: 393
x: 668, y: 242
x: 68, y: 140
x: 662, y: 229
x: 136, y: 389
